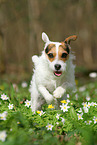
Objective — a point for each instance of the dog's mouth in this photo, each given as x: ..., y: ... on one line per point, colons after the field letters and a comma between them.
x: 57, y: 73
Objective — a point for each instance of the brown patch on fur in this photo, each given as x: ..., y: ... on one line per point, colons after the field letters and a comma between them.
x: 70, y: 38
x: 51, y: 49
x: 63, y: 45
x: 61, y: 51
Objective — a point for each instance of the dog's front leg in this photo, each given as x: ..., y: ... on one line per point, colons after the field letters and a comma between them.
x: 44, y: 92
x: 58, y: 93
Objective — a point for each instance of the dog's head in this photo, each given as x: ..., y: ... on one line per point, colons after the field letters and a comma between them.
x: 57, y: 53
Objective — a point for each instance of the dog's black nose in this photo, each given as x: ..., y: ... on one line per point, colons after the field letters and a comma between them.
x: 57, y: 66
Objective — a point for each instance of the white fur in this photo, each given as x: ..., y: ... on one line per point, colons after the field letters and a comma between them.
x: 58, y: 93
x: 45, y: 86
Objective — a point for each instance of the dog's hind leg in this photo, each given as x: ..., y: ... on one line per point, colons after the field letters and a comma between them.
x: 34, y: 98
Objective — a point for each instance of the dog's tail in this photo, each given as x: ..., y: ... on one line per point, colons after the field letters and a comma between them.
x: 35, y: 59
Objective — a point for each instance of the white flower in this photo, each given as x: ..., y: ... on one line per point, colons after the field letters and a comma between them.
x: 64, y: 107
x: 88, y: 98
x: 49, y: 127
x: 86, y: 109
x: 24, y: 84
x: 57, y: 116
x: 67, y: 101
x: 89, y: 104
x: 71, y: 103
x: 4, y: 97
x: 3, y: 115
x: 10, y: 106
x: 27, y: 103
x: 93, y: 75
x: 63, y: 120
x: 80, y: 116
x: 84, y: 104
x: 10, y: 129
x: 95, y: 120
x: 83, y: 88
x: 94, y: 104
x: 18, y: 122
x: 68, y: 96
x: 80, y: 111
x: 88, y: 122
x: 40, y: 112
x: 3, y: 135
x: 57, y: 123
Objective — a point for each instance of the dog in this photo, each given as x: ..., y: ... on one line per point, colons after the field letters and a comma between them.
x: 53, y: 72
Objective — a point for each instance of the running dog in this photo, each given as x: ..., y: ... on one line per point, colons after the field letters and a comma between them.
x: 53, y: 72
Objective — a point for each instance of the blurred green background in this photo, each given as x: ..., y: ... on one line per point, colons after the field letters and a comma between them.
x: 23, y: 21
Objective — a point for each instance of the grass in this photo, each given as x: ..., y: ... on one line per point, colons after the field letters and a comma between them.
x: 24, y: 127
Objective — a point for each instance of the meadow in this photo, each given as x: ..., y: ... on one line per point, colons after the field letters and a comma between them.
x: 75, y: 123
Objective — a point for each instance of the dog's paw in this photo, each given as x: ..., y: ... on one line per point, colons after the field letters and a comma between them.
x: 58, y: 93
x: 35, y: 59
x: 49, y: 99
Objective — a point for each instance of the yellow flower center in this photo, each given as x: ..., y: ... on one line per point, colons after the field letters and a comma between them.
x: 2, y: 136
x: 2, y: 117
x: 64, y: 107
x: 96, y: 119
x: 79, y: 116
x: 38, y: 112
x: 49, y: 126
x: 85, y: 105
x: 50, y: 106
x: 63, y: 101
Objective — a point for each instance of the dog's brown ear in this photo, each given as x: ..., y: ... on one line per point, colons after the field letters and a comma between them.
x: 70, y: 38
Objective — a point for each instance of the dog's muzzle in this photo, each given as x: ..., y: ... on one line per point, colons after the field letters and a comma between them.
x: 57, y: 73
x: 57, y: 66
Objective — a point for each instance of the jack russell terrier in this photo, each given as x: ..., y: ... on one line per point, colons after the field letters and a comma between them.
x: 53, y: 72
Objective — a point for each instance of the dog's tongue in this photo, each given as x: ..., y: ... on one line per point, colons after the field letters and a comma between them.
x: 58, y: 74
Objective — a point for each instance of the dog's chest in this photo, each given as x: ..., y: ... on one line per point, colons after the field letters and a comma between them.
x: 52, y: 84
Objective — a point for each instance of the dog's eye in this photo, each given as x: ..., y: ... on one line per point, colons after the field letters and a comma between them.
x: 50, y: 55
x: 64, y: 55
